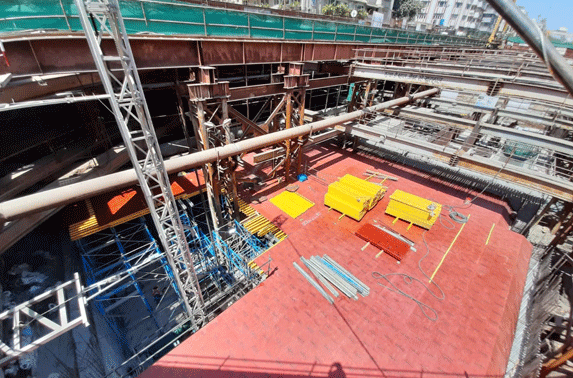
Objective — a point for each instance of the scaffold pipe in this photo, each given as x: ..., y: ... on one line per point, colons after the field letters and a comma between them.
x: 537, y: 40
x: 49, y: 199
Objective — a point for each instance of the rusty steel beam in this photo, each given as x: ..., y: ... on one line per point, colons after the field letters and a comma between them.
x: 549, y: 91
x: 548, y: 185
x: 245, y: 122
x: 40, y: 87
x: 61, y: 52
x: 263, y: 90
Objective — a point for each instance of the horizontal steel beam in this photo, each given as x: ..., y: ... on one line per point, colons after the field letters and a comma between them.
x: 49, y: 53
x: 263, y: 90
x: 49, y: 199
x: 545, y: 184
x: 52, y: 101
x: 462, y: 83
x: 521, y: 115
x: 534, y: 139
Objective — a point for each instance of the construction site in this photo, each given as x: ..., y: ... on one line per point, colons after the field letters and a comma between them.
x: 198, y: 189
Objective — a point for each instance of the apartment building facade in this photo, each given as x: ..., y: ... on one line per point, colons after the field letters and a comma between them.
x: 462, y: 17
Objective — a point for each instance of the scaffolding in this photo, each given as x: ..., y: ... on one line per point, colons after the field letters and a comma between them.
x: 130, y: 249
x: 123, y: 266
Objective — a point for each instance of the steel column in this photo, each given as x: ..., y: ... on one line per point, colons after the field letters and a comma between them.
x: 232, y: 185
x: 288, y: 125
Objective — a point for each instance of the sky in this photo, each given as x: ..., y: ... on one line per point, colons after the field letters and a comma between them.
x: 557, y: 12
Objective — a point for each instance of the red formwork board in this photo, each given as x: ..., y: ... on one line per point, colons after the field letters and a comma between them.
x: 383, y: 240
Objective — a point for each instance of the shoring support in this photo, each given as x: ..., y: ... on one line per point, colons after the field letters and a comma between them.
x: 288, y: 125
x: 567, y: 208
x: 301, y: 140
x: 220, y: 176
x: 211, y: 183
x: 231, y: 181
x: 295, y: 86
x: 365, y: 101
x: 561, y: 234
x: 556, y: 363
x: 182, y: 116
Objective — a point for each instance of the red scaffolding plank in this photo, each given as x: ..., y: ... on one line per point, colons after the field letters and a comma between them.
x: 383, y: 240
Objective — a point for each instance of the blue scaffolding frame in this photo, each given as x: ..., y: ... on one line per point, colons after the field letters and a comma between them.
x: 114, y: 251
x: 131, y: 252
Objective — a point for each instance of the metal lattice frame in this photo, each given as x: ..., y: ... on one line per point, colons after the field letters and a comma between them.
x: 129, y: 254
x: 69, y: 300
x: 132, y: 115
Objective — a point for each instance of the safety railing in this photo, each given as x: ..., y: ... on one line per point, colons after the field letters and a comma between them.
x: 171, y: 17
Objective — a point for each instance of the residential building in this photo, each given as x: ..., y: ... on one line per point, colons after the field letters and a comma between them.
x: 462, y: 17
x: 562, y: 34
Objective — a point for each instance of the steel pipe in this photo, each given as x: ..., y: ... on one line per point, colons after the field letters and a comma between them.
x: 342, y: 285
x: 351, y: 276
x: 320, y: 278
x: 332, y: 278
x: 45, y: 200
x: 313, y: 283
x: 536, y: 40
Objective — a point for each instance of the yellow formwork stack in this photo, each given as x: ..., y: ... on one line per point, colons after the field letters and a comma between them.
x: 349, y: 203
x: 413, y: 209
x: 353, y: 196
x: 374, y: 190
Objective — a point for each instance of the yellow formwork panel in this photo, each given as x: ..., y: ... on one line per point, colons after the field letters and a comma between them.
x: 349, y: 193
x: 375, y: 190
x: 352, y: 193
x: 345, y: 207
x: 413, y: 209
x: 292, y: 203
x: 347, y: 200
x: 363, y: 191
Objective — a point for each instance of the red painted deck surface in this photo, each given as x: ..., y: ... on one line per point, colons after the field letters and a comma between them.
x: 285, y: 328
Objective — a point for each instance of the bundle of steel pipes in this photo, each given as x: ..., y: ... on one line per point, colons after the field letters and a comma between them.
x: 332, y: 276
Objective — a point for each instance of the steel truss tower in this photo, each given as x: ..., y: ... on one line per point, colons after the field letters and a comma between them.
x: 99, y: 18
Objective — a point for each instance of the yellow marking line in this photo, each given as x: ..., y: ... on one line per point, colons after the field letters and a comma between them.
x: 448, y: 251
x: 489, y: 236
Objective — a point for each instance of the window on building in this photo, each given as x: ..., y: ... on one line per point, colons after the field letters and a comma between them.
x: 458, y: 5
x: 442, y: 3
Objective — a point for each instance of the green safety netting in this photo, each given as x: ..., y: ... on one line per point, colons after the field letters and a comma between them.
x: 174, y: 17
